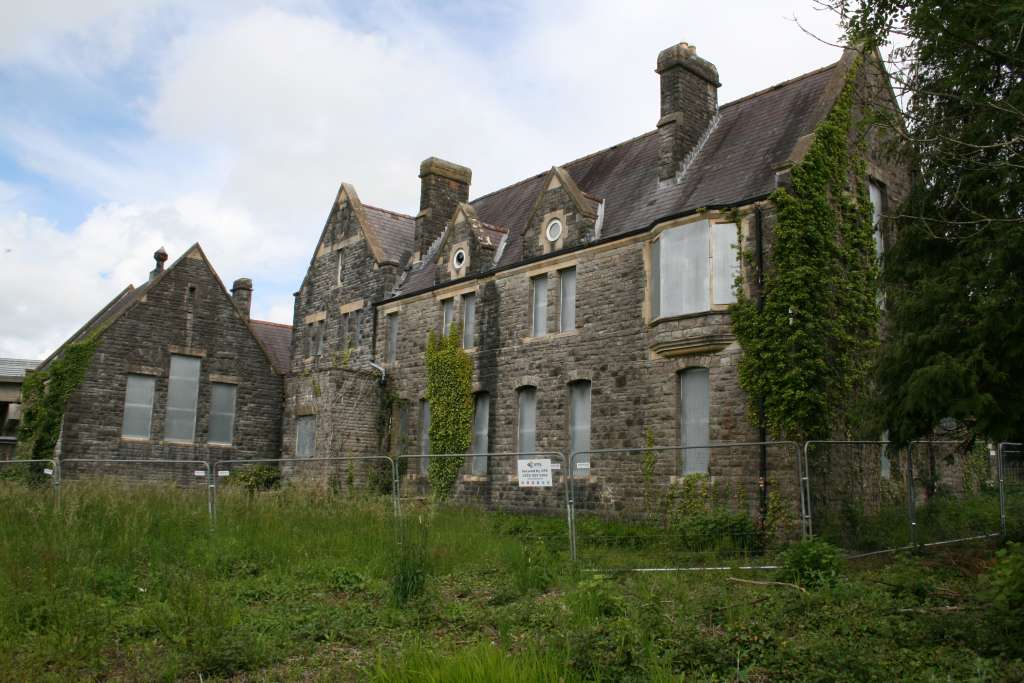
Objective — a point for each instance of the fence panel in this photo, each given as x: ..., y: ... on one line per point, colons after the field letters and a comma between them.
x: 684, y: 507
x: 1010, y: 476
x: 519, y: 503
x: 92, y: 476
x: 363, y: 483
x: 21, y: 477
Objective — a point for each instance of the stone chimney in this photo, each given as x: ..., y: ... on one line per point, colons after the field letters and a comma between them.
x: 160, y: 256
x: 241, y: 293
x: 442, y: 186
x: 689, y: 103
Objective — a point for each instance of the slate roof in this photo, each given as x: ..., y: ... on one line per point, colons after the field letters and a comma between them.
x: 277, y: 339
x: 395, y: 232
x: 751, y: 139
x: 14, y: 368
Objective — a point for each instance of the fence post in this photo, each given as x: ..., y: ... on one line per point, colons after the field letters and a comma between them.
x: 1001, y: 480
x: 802, y: 470
x: 395, y: 493
x: 56, y: 482
x: 911, y: 507
x: 572, y: 506
x: 211, y: 492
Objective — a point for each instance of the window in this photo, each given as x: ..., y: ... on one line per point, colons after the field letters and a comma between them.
x: 138, y: 406
x: 567, y: 300
x: 694, y: 409
x: 527, y: 436
x: 305, y: 436
x: 314, y: 339
x: 447, y: 312
x: 341, y: 264
x: 468, y: 321
x: 424, y: 435
x: 391, y: 350
x: 579, y: 421
x: 402, y: 440
x: 222, y: 413
x: 481, y: 418
x: 540, y: 305
x: 320, y: 338
x: 554, y: 230
x: 877, y: 199
x: 693, y: 266
x: 885, y: 462
x: 182, y: 393
x: 459, y: 259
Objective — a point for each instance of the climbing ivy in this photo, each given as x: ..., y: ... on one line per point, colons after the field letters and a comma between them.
x: 450, y: 392
x: 45, y: 393
x: 807, y: 348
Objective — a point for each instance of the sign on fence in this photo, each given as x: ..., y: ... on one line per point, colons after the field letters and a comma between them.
x: 535, y: 472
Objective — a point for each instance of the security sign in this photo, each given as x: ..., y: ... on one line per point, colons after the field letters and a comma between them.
x: 535, y: 472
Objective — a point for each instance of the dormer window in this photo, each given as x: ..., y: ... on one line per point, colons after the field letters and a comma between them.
x: 554, y: 230
x: 459, y: 259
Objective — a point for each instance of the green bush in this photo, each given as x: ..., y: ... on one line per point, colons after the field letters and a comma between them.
x: 811, y: 564
x: 410, y: 563
x: 1003, y: 596
x: 255, y: 478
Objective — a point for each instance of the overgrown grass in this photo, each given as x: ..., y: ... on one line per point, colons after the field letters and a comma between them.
x: 299, y: 584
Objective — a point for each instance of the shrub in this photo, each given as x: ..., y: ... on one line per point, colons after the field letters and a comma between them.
x: 410, y: 564
x: 257, y: 478
x: 1003, y: 593
x: 812, y: 564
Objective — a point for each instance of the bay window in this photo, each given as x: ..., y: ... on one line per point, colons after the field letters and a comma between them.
x: 693, y: 267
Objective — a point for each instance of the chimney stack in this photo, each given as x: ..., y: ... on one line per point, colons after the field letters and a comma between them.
x: 689, y: 102
x: 160, y: 256
x: 442, y: 186
x: 241, y: 293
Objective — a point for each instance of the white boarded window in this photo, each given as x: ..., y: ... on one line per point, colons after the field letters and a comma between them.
x: 305, y: 436
x: 424, y: 434
x: 875, y: 193
x: 138, y: 406
x: 540, y: 305
x: 695, y: 413
x: 567, y: 300
x: 468, y: 321
x: 655, y: 297
x: 725, y: 262
x: 527, y: 434
x: 447, y: 312
x: 182, y: 394
x: 481, y: 420
x: 341, y: 264
x: 579, y: 421
x: 222, y: 413
x: 391, y: 351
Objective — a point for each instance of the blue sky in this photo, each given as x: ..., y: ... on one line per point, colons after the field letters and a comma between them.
x: 126, y: 125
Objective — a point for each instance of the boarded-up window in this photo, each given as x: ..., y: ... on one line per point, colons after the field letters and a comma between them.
x: 877, y: 198
x: 481, y: 420
x: 527, y: 432
x: 579, y: 422
x: 540, y: 305
x: 305, y: 436
x: 392, y: 342
x: 724, y: 262
x: 182, y: 394
x: 695, y: 412
x: 567, y: 300
x: 468, y: 321
x: 138, y: 406
x: 424, y: 435
x: 447, y: 314
x: 222, y: 413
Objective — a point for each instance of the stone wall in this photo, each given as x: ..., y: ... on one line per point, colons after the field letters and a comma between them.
x: 186, y: 312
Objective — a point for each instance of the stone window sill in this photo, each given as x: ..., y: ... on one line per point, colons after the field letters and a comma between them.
x: 136, y: 439
x: 214, y: 444
x: 551, y: 336
x: 473, y: 477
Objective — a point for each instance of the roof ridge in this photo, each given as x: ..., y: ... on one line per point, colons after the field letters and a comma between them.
x: 393, y: 213
x: 270, y: 322
x: 782, y: 84
x: 543, y: 173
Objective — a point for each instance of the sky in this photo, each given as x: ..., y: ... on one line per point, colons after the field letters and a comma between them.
x: 127, y: 125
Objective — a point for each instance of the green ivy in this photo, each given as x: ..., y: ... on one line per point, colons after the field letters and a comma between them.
x: 45, y: 394
x: 807, y: 350
x: 450, y: 393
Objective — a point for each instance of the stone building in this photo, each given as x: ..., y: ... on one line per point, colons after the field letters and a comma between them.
x: 12, y: 373
x: 593, y: 296
x: 179, y: 372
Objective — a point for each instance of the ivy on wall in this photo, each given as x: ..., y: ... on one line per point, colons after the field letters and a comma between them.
x: 450, y: 393
x: 807, y: 349
x: 45, y: 394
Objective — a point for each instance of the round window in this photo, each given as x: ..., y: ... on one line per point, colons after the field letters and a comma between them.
x: 554, y: 230
x: 459, y: 259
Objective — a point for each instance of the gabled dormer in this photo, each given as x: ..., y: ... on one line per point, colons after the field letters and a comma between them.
x: 470, y: 246
x: 347, y: 225
x: 563, y: 216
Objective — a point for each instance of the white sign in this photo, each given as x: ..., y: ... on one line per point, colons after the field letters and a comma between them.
x: 48, y: 472
x: 583, y: 465
x: 556, y: 466
x: 223, y: 473
x: 200, y: 473
x: 535, y: 472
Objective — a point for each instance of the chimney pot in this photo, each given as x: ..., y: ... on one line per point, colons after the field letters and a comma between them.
x: 241, y: 294
x: 160, y: 256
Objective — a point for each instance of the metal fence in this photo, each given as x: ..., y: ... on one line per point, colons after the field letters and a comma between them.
x: 678, y: 507
x: 641, y: 508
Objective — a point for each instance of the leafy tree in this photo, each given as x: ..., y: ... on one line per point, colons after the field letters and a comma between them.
x: 952, y: 277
